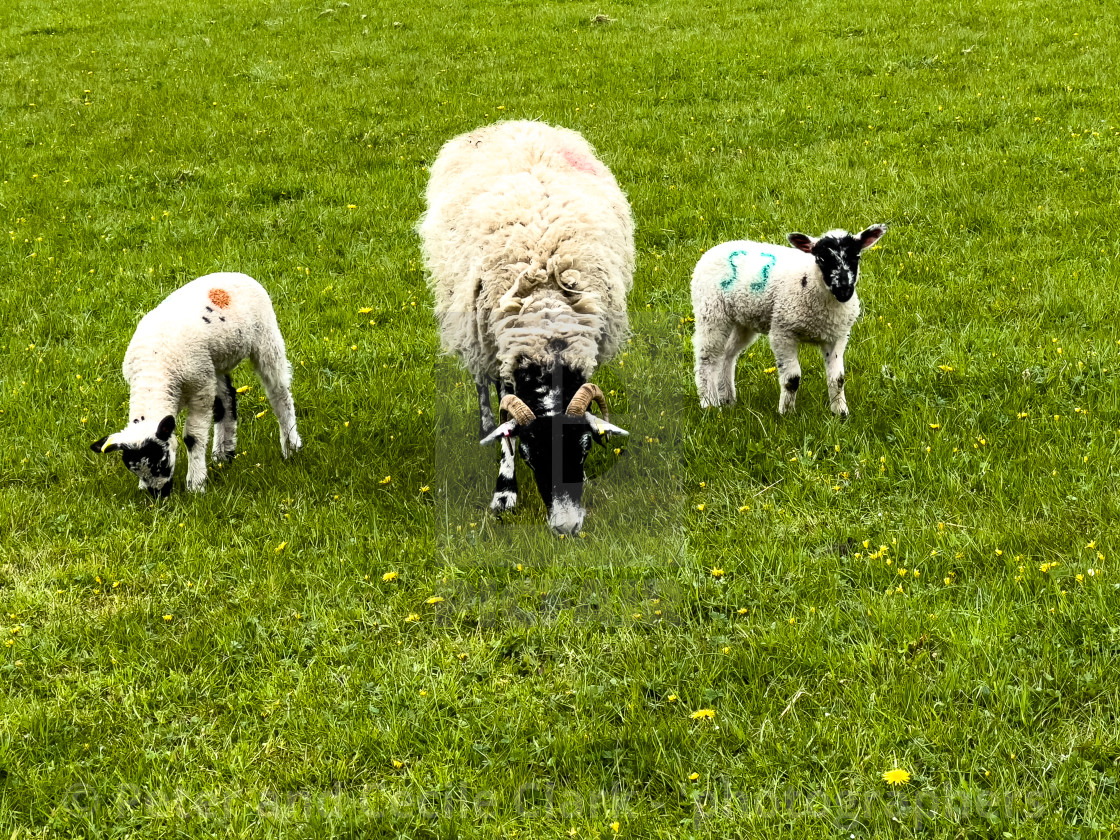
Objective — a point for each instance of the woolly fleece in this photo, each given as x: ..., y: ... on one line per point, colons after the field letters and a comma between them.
x: 529, y: 244
x: 181, y: 351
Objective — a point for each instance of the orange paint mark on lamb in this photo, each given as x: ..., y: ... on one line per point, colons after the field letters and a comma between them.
x: 219, y: 297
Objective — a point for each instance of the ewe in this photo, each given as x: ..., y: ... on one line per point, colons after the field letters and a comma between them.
x: 529, y: 245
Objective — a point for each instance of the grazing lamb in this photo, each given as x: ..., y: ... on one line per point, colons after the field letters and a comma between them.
x: 529, y: 245
x: 804, y: 294
x: 180, y: 357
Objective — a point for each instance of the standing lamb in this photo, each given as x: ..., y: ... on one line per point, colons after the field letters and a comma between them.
x: 529, y: 245
x: 804, y: 294
x: 180, y: 357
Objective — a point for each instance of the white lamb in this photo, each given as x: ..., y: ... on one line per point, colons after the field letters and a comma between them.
x: 799, y: 295
x: 180, y: 357
x: 529, y: 245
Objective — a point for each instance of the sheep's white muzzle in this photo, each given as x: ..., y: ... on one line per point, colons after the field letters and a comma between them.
x: 565, y: 517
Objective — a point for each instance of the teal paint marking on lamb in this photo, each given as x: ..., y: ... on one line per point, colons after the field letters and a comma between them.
x: 758, y: 285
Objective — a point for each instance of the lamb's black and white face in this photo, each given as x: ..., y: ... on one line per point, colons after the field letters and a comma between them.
x: 149, y: 454
x: 556, y: 447
x: 837, y: 256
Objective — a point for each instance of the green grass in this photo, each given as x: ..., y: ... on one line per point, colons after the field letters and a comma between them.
x: 234, y: 664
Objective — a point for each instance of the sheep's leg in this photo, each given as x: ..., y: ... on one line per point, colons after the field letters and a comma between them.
x: 834, y: 370
x: 486, y: 422
x: 272, y: 367
x: 789, y: 370
x: 710, y: 342
x: 225, y: 420
x: 505, y: 490
x: 740, y: 338
x: 196, y: 436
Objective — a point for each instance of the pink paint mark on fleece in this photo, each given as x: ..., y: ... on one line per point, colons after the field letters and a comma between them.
x: 580, y: 162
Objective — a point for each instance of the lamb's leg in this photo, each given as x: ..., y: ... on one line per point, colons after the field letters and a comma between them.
x: 710, y: 343
x: 737, y: 342
x: 225, y: 420
x: 196, y: 436
x: 486, y: 422
x: 271, y: 363
x: 505, y: 490
x: 789, y: 370
x: 834, y: 370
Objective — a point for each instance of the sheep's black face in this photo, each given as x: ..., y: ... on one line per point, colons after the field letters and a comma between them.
x: 150, y: 459
x: 556, y: 447
x: 153, y: 463
x: 837, y: 256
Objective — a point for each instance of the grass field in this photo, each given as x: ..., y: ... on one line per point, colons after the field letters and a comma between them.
x: 346, y: 645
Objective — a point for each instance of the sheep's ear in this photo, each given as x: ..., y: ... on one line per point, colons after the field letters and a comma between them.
x: 602, y: 427
x: 166, y: 428
x: 105, y: 445
x: 870, y: 236
x: 802, y: 242
x: 505, y: 430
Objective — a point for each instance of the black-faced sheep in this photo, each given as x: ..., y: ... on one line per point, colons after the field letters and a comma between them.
x: 180, y: 357
x: 800, y: 295
x: 529, y: 245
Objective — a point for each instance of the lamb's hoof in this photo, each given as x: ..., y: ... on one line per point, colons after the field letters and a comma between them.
x: 503, y: 501
x: 196, y: 486
x: 293, y: 446
x: 223, y: 456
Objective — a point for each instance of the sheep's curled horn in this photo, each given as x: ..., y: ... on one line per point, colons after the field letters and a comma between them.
x: 587, y: 393
x: 513, y: 405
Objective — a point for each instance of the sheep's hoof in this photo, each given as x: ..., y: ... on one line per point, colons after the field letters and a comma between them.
x: 223, y: 456
x: 504, y: 500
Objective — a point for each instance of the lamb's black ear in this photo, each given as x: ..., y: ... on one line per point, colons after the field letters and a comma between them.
x: 106, y: 445
x: 166, y: 428
x: 801, y: 242
x: 870, y: 236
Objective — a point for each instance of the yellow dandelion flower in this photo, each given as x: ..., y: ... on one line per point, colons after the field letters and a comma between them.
x: 167, y: 617
x: 692, y: 777
x: 386, y: 480
x: 412, y: 617
x: 281, y: 547
x: 700, y: 508
x: 672, y: 698
x: 717, y: 573
x: 365, y: 310
x: 898, y: 776
x: 935, y: 426
x: 244, y: 389
x: 615, y: 827
x: 425, y: 489
x: 398, y: 764
x: 742, y: 610
x: 388, y: 576
x: 703, y: 714
x: 435, y: 599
